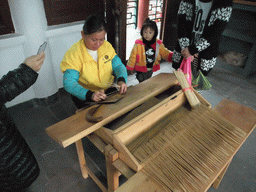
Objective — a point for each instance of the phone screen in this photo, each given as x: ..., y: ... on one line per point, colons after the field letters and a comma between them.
x: 42, y: 48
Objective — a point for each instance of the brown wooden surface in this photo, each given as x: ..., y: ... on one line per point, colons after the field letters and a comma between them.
x: 111, y: 155
x: 245, y: 2
x: 76, y: 127
x: 142, y: 122
x: 6, y: 24
x: 123, y: 168
x: 67, y: 11
x: 128, y: 132
x: 238, y: 114
x: 81, y: 158
x: 140, y: 182
x: 217, y: 181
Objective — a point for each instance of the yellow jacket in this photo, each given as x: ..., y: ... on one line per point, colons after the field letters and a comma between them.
x: 137, y: 60
x: 93, y: 75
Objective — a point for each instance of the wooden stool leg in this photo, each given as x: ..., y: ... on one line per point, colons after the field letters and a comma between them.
x: 217, y: 181
x: 112, y: 173
x: 81, y: 157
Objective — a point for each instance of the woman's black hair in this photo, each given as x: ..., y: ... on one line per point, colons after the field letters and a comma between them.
x: 151, y: 24
x: 93, y: 24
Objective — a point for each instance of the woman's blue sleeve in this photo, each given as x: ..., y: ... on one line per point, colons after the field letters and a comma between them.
x: 71, y: 85
x: 119, y: 68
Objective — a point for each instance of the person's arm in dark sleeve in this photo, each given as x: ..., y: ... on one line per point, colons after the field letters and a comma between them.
x: 184, y: 23
x: 184, y: 29
x: 15, y: 82
x: 219, y: 19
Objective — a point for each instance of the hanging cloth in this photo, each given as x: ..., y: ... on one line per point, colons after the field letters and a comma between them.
x: 185, y: 67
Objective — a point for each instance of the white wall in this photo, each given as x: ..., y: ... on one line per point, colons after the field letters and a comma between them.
x: 60, y: 39
x: 31, y: 31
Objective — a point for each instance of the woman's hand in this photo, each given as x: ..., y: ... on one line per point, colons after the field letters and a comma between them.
x: 123, y: 87
x: 35, y: 62
x: 99, y: 95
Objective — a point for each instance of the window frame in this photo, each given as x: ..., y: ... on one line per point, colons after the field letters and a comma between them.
x: 6, y: 24
x: 68, y: 11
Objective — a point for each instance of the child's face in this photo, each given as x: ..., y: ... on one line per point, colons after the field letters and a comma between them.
x: 148, y: 34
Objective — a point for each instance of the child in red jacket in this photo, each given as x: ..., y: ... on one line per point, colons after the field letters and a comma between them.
x: 147, y: 52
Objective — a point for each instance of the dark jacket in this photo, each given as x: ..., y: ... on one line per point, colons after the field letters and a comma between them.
x: 207, y: 47
x: 18, y: 166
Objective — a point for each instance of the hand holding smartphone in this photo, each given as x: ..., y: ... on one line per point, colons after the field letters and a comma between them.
x: 42, y: 48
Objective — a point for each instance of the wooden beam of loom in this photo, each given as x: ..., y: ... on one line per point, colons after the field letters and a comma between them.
x: 76, y: 127
x: 141, y: 125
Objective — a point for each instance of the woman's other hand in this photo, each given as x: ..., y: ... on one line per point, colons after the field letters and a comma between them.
x: 99, y: 95
x: 35, y: 62
x: 123, y: 87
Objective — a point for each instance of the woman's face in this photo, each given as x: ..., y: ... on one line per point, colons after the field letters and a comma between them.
x: 148, y: 33
x: 95, y: 40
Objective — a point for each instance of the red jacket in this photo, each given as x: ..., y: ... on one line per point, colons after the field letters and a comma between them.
x: 137, y: 60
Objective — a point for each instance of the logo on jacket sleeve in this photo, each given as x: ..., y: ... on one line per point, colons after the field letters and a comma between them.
x: 106, y: 57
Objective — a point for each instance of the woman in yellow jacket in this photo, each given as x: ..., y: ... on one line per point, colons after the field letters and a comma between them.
x: 90, y: 63
x: 147, y: 52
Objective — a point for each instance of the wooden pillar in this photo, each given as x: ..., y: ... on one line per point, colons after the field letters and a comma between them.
x: 29, y: 20
x: 81, y: 157
x: 111, y: 155
x: 116, y: 21
x: 143, y: 12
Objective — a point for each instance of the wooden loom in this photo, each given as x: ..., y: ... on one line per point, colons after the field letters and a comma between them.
x: 116, y: 144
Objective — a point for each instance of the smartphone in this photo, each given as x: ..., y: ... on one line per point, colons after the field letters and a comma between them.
x: 42, y: 48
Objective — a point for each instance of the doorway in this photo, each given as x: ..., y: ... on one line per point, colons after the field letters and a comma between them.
x: 155, y: 13
x: 122, y: 18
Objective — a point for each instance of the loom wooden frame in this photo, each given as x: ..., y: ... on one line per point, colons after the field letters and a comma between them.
x: 128, y: 132
x: 74, y: 128
x: 231, y: 111
x: 112, y: 143
x: 116, y: 141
